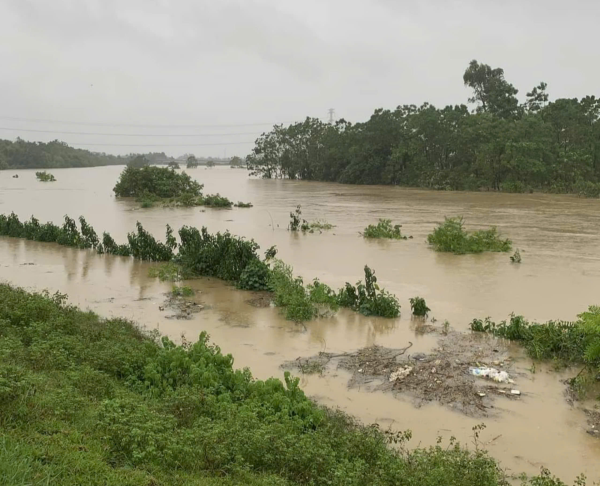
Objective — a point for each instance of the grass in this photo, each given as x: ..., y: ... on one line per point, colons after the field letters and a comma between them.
x: 384, y: 229
x: 450, y: 236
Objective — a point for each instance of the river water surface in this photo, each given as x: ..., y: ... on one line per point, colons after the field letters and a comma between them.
x: 559, y: 238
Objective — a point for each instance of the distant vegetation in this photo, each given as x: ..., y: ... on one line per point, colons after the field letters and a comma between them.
x: 241, y: 204
x: 90, y: 401
x: 503, y: 145
x: 451, y: 236
x: 216, y: 201
x: 173, y: 165
x: 191, y: 162
x: 384, y: 229
x: 38, y: 155
x: 45, y: 177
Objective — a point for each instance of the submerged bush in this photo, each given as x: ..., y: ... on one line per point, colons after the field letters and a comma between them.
x: 184, y: 291
x: 160, y: 182
x: 516, y: 257
x: 145, y: 247
x: 384, y: 229
x: 452, y: 237
x: 255, y: 276
x: 291, y: 294
x: 419, y: 306
x: 241, y: 204
x: 216, y: 201
x: 368, y: 299
x: 45, y: 176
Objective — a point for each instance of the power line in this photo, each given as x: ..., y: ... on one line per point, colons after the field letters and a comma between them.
x: 124, y: 134
x: 67, y: 122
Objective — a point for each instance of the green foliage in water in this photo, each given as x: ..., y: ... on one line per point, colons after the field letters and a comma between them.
x: 290, y: 293
x: 588, y: 189
x: 183, y: 291
x: 384, y: 229
x: 419, y: 306
x: 255, y: 276
x: 91, y: 401
x: 216, y: 201
x: 45, y: 176
x: 219, y: 255
x: 145, y: 247
x: 368, y: 299
x: 160, y: 182
x: 241, y: 204
x: 297, y: 223
x: 110, y: 246
x: 89, y: 238
x: 320, y: 225
x: 450, y: 236
x: 167, y: 272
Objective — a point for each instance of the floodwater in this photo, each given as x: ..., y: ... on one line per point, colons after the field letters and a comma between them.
x: 559, y: 239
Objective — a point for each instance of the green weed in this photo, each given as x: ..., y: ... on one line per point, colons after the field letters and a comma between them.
x: 384, y: 229
x: 45, y: 176
x: 419, y: 307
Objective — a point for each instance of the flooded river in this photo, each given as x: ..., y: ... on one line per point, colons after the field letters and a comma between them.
x: 559, y: 238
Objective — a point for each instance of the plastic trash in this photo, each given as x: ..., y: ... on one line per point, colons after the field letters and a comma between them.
x: 400, y: 373
x: 491, y: 373
x: 515, y: 392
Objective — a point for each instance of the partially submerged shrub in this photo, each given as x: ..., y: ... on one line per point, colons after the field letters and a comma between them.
x: 419, y: 306
x: 320, y: 225
x: 516, y: 258
x: 216, y: 201
x: 296, y: 221
x: 45, y: 176
x: 255, y: 276
x: 145, y: 247
x: 451, y: 236
x: 159, y: 182
x: 291, y: 294
x: 241, y: 204
x: 384, y: 229
x: 368, y: 299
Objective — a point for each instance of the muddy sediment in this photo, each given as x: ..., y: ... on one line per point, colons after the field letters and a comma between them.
x: 443, y: 376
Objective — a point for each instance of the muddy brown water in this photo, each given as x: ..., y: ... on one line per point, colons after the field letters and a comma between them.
x: 559, y: 238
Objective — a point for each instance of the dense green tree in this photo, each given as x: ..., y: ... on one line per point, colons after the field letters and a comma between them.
x: 542, y: 145
x: 235, y: 161
x: 138, y: 161
x: 210, y: 163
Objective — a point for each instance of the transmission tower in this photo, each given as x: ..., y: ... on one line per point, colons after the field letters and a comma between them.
x: 331, y: 114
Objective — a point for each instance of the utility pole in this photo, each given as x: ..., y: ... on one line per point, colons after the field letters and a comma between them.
x: 331, y: 114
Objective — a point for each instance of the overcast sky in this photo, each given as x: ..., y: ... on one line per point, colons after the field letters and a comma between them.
x: 197, y: 67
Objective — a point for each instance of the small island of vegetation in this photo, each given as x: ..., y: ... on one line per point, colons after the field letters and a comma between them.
x: 152, y: 185
x: 45, y: 177
x: 384, y: 229
x: 450, y: 236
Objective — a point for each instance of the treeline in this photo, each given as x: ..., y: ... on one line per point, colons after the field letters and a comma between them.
x: 502, y: 145
x: 39, y: 155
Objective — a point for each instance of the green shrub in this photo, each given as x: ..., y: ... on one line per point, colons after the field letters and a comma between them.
x: 110, y: 246
x: 159, y: 182
x: 255, y: 276
x: 216, y: 201
x: 452, y: 237
x: 69, y: 234
x: 368, y: 299
x: 290, y: 293
x: 419, y: 306
x: 145, y: 247
x: 89, y: 238
x: 45, y: 176
x: 320, y: 225
x: 220, y: 255
x: 384, y: 229
x: 587, y: 189
x: 241, y: 204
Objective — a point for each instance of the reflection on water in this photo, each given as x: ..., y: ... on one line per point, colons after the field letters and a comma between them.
x: 559, y: 237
